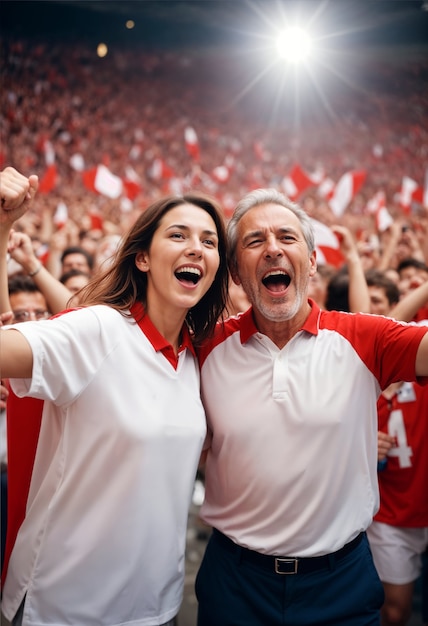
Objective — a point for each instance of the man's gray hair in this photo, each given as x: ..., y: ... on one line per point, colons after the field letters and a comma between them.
x: 266, y: 196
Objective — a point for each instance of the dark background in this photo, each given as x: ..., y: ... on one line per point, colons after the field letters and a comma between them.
x: 186, y: 23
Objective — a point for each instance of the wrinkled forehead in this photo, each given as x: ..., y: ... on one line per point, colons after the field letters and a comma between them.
x: 269, y: 217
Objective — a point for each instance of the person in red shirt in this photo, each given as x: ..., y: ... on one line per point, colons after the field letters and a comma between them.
x: 398, y: 535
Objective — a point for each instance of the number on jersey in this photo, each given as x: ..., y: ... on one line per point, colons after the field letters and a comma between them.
x: 397, y: 429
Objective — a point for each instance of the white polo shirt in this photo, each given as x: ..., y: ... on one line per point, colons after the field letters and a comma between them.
x: 292, y: 461
x: 103, y: 540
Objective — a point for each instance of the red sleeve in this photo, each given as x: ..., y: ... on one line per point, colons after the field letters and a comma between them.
x: 387, y: 347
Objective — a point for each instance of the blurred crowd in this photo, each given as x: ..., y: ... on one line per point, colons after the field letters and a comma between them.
x: 166, y: 122
x: 163, y: 122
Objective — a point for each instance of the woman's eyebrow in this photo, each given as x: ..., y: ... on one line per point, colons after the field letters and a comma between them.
x: 185, y: 227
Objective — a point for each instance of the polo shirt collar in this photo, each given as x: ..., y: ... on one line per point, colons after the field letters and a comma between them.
x: 158, y: 341
x: 248, y: 326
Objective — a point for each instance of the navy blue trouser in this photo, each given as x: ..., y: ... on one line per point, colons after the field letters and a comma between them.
x: 233, y: 592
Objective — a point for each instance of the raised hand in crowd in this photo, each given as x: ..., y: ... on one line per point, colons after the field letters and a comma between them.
x: 16, y: 193
x: 21, y: 250
x: 16, y: 196
x: 359, y: 299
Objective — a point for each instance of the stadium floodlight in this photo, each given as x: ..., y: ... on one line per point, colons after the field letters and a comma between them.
x: 294, y: 45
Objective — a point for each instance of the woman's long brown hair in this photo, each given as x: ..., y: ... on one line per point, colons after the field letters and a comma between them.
x: 123, y: 283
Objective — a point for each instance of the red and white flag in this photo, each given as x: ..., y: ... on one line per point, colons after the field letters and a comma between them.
x: 61, y: 215
x: 160, y: 170
x: 131, y: 183
x: 297, y: 182
x: 192, y: 142
x: 101, y: 180
x: 131, y: 188
x: 384, y: 219
x: 377, y: 206
x: 345, y: 190
x: 107, y: 184
x: 326, y: 245
x: 326, y: 188
x: 410, y: 192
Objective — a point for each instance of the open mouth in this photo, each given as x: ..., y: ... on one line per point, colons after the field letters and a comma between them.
x: 276, y: 280
x: 189, y: 275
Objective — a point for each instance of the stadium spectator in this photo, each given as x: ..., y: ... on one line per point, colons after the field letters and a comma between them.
x: 165, y: 290
x: 296, y: 438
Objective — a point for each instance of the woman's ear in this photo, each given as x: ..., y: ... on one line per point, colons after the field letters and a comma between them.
x: 142, y: 261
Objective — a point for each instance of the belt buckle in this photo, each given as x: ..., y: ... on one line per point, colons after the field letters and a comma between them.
x: 293, y: 563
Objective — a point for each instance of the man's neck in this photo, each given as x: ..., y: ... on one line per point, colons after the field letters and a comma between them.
x: 281, y: 332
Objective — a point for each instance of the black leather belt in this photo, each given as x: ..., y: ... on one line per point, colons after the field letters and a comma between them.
x: 285, y: 564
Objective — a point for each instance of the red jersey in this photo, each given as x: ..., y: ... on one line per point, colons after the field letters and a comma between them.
x: 403, y: 484
x: 24, y: 416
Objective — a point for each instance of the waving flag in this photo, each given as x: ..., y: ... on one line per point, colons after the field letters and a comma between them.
x: 160, y: 170
x: 100, y: 180
x: 410, y: 192
x: 377, y: 206
x: 131, y: 188
x: 61, y: 215
x: 327, y: 245
x: 326, y: 188
x: 297, y: 182
x: 345, y: 190
x: 192, y: 142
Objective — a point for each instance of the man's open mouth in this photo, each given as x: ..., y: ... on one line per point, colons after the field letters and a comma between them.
x: 276, y: 280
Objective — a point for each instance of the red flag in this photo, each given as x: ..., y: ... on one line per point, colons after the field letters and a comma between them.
x: 107, y: 183
x: 327, y: 245
x: 88, y: 178
x: 48, y: 180
x: 326, y: 188
x: 296, y: 182
x: 131, y: 188
x: 377, y: 206
x: 192, y: 143
x: 96, y: 220
x: 345, y: 190
x: 100, y: 180
x: 384, y: 219
x: 410, y: 192
x: 160, y: 170
x: 61, y: 215
x: 42, y: 253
